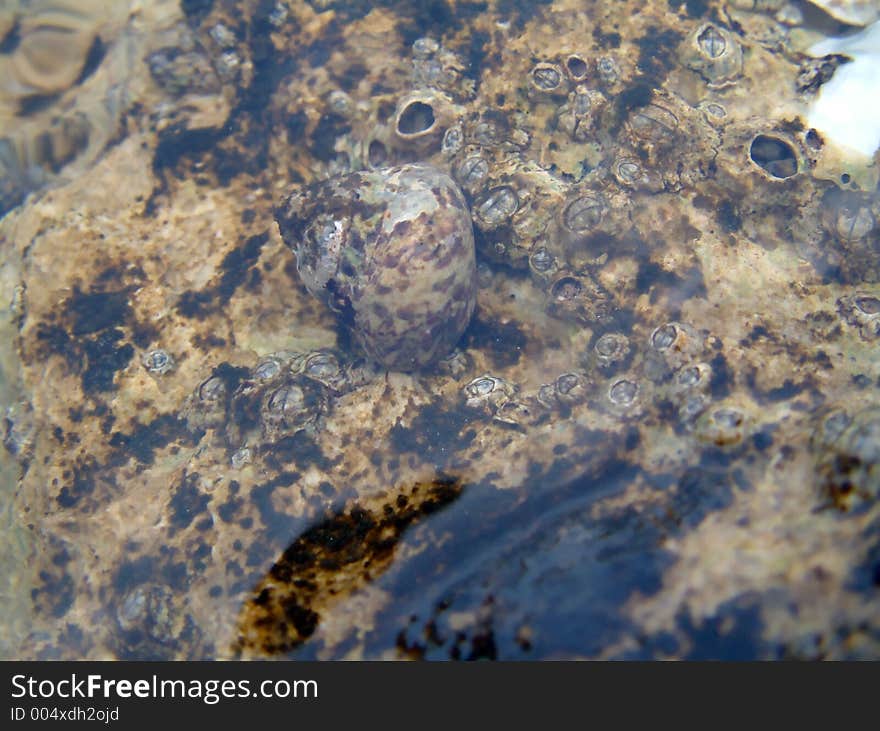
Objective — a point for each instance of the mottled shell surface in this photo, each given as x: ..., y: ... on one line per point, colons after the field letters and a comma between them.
x: 391, y: 251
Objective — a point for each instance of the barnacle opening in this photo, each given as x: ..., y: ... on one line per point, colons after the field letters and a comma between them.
x: 472, y: 171
x: 611, y: 346
x: 627, y: 170
x: 774, y: 155
x: 212, y: 389
x: 158, y: 361
x: 711, y: 43
x: 713, y: 111
x: 577, y: 67
x: 566, y: 288
x: 664, y: 336
x: 267, y: 369
x: 417, y: 118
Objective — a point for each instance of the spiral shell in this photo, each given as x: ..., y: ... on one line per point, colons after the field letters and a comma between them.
x: 391, y: 251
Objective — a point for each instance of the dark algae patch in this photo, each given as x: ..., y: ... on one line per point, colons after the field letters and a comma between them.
x: 694, y: 8
x: 298, y: 449
x: 541, y: 572
x: 144, y: 440
x: 657, y: 52
x: 722, y: 377
x: 276, y: 526
x: 329, y: 561
x: 195, y: 10
x: 88, y: 331
x: 729, y: 217
x: 680, y: 285
x: 239, y: 146
x: 235, y: 268
x: 503, y: 342
x: 177, y: 143
x: 57, y: 592
x: 94, y: 311
x: 732, y: 633
x: 106, y: 355
x: 435, y: 434
x: 187, y: 502
x: 329, y: 127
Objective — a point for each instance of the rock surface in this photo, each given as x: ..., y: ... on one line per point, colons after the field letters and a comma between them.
x: 657, y: 437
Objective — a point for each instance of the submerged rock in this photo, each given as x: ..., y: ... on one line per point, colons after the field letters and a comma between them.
x: 628, y: 452
x: 391, y: 251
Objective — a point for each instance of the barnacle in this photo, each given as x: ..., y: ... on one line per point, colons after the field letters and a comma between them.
x: 579, y: 299
x: 488, y: 393
x: 609, y: 353
x: 862, y: 311
x: 296, y: 405
x: 848, y: 215
x: 715, y: 53
x: 158, y: 361
x: 547, y: 78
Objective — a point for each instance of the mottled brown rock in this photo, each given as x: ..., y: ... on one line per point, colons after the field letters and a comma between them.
x: 656, y: 439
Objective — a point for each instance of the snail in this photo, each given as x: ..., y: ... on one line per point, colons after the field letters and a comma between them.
x: 391, y: 251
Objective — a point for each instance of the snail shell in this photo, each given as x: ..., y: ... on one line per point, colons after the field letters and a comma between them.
x: 391, y: 251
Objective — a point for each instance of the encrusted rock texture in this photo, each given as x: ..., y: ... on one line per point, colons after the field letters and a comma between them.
x: 658, y: 437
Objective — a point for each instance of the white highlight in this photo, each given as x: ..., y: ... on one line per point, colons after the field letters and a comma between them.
x: 847, y: 110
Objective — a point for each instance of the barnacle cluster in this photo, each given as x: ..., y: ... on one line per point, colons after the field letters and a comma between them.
x: 567, y: 225
x: 284, y: 394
